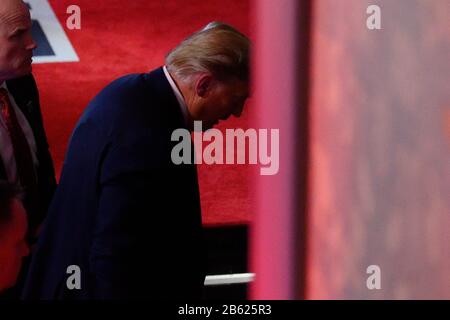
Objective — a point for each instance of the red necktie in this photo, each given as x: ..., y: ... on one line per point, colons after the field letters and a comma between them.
x: 22, y: 151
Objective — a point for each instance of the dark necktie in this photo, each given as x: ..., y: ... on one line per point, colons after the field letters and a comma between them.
x: 22, y: 152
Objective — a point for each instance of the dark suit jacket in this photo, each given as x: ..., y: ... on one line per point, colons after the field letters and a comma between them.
x: 123, y: 213
x: 26, y: 96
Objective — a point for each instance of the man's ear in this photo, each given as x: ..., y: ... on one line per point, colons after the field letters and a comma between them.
x: 203, y: 85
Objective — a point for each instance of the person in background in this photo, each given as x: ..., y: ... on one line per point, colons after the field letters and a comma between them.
x: 25, y: 159
x: 125, y: 214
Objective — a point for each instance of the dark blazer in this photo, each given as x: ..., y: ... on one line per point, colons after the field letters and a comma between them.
x: 123, y: 213
x: 26, y: 96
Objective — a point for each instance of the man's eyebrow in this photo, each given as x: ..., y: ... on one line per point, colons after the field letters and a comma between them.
x: 19, y: 29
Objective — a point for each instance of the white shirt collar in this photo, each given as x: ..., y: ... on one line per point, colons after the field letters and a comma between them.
x: 179, y: 96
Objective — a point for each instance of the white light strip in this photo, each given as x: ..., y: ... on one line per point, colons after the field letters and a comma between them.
x: 224, y: 279
x: 56, y: 36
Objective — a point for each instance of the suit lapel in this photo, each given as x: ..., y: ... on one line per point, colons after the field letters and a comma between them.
x: 22, y: 92
x: 3, y: 175
x: 2, y: 171
x: 24, y: 102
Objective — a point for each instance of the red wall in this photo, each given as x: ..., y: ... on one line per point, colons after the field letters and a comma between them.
x: 379, y: 163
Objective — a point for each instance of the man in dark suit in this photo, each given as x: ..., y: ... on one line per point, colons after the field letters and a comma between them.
x: 24, y: 92
x: 24, y: 156
x: 126, y: 220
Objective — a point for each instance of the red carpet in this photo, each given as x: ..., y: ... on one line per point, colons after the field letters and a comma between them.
x: 121, y: 37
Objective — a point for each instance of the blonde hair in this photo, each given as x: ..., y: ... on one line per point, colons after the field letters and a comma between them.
x: 218, y: 49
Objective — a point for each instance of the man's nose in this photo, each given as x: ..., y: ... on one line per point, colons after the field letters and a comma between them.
x: 31, y: 44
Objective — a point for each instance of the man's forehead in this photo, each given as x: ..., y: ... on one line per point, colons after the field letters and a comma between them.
x: 11, y: 4
x: 15, y: 14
